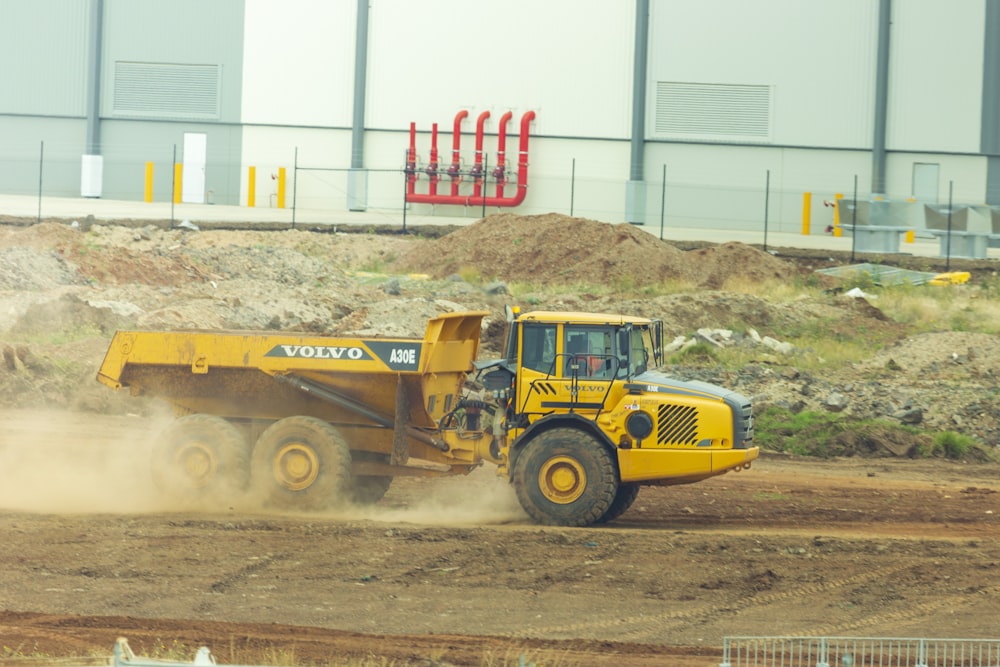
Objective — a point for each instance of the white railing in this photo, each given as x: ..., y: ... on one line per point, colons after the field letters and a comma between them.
x: 858, y: 652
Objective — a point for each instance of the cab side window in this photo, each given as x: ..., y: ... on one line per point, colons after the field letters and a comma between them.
x: 588, y: 351
x: 539, y: 347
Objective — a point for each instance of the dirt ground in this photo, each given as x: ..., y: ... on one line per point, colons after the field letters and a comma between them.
x: 450, y: 571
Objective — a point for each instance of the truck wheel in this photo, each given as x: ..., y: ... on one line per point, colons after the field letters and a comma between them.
x: 565, y: 477
x: 201, y: 456
x: 625, y: 496
x: 302, y: 462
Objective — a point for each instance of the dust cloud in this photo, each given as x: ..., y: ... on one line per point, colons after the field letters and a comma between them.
x: 481, y: 497
x: 61, y: 462
x: 58, y: 462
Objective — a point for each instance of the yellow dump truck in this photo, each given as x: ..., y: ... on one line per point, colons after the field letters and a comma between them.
x: 574, y: 414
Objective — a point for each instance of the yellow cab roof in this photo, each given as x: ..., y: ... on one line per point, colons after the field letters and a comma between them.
x: 580, y: 318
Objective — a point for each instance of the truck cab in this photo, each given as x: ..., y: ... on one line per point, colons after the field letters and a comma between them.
x: 591, y: 379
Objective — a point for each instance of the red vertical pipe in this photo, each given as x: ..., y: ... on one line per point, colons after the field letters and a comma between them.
x: 411, y: 161
x: 432, y: 166
x: 498, y: 170
x: 455, y: 168
x: 477, y: 166
x: 522, y: 159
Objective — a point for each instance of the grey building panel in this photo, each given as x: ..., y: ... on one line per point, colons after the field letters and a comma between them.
x: 188, y: 44
x: 43, y: 52
x: 21, y: 147
x: 133, y: 143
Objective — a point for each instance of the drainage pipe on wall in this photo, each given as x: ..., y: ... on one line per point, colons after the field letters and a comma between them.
x: 92, y: 163
x: 879, y: 210
x: 635, y: 189
x: 357, y: 195
x: 990, y: 123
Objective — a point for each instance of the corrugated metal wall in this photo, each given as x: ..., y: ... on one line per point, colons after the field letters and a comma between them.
x: 285, y: 72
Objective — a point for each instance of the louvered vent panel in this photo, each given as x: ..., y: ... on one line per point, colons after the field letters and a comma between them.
x: 713, y: 109
x: 166, y: 90
x: 676, y: 425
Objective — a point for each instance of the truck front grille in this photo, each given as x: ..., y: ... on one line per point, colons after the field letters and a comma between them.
x: 676, y: 425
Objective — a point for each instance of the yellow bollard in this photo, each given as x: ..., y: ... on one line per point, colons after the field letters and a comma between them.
x: 148, y: 190
x: 178, y: 174
x: 807, y: 198
x: 909, y: 236
x: 837, y: 231
x: 252, y: 187
x: 281, y: 187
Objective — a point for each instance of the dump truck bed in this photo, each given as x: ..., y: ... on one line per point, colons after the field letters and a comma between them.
x: 233, y: 373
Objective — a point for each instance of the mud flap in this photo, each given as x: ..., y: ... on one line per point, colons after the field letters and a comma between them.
x: 400, y: 446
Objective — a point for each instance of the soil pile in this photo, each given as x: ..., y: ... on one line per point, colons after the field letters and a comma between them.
x: 557, y: 249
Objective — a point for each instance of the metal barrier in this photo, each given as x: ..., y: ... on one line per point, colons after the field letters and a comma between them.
x: 858, y: 652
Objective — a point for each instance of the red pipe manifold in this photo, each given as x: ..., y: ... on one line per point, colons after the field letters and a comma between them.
x: 478, y: 198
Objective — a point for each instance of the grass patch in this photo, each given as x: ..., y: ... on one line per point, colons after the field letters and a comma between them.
x: 825, y: 435
x: 950, y: 445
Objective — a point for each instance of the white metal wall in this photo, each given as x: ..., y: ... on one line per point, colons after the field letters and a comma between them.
x: 936, y: 64
x: 298, y: 63
x: 817, y: 57
x: 571, y: 62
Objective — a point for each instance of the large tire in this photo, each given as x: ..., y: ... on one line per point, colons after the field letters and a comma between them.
x: 625, y: 496
x: 202, y: 458
x: 565, y: 477
x: 301, y: 462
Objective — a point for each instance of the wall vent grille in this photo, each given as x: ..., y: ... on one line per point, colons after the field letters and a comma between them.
x: 713, y: 110
x: 167, y: 90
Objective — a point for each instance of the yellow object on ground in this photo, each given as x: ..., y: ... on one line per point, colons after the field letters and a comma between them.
x: 950, y: 278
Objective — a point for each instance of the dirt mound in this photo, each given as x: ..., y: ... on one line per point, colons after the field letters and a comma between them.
x: 557, y: 249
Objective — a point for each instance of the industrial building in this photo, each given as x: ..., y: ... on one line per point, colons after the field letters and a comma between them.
x: 716, y: 113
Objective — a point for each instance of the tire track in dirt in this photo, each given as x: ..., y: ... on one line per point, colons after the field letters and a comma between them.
x: 242, y: 574
x: 920, y: 609
x: 652, y: 627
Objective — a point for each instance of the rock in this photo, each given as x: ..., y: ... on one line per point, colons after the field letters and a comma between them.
x: 496, y: 287
x: 392, y: 286
x: 708, y: 335
x: 910, y: 416
x: 777, y: 346
x: 835, y: 402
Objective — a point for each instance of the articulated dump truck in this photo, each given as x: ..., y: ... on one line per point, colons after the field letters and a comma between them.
x: 574, y: 415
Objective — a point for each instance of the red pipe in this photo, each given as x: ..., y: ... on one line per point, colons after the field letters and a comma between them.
x: 498, y: 170
x: 411, y: 161
x: 479, y: 200
x: 432, y: 166
x: 455, y: 169
x: 477, y: 166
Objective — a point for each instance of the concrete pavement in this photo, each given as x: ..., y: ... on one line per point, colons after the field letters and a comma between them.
x: 28, y: 206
